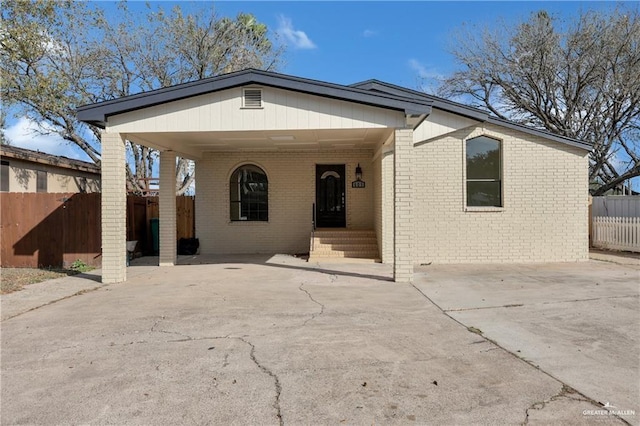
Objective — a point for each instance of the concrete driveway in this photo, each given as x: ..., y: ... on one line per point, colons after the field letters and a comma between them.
x: 269, y: 341
x: 579, y: 322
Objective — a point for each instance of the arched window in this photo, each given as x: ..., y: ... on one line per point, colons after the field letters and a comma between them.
x: 249, y: 194
x: 484, y: 172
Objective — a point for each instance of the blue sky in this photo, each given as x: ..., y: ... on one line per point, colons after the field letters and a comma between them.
x: 346, y: 42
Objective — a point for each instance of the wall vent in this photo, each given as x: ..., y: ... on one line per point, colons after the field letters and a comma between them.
x: 252, y: 98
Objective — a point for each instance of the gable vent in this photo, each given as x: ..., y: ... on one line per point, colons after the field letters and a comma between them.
x: 252, y: 98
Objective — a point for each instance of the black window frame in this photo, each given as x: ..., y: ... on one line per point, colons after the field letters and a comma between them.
x: 483, y: 178
x: 4, y: 176
x: 249, y: 194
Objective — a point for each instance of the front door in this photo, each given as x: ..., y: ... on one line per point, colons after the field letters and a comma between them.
x: 330, y: 193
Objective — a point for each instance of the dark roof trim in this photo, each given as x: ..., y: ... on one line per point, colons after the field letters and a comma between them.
x: 99, y: 113
x: 371, y: 92
x: 23, y: 154
x: 467, y: 111
x: 542, y: 133
x: 444, y: 104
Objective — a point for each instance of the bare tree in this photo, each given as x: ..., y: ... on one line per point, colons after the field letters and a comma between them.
x: 57, y: 55
x: 579, y: 79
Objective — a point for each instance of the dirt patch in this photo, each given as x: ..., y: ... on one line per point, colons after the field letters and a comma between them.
x: 14, y: 279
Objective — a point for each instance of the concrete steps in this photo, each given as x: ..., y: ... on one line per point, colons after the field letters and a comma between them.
x: 347, y: 245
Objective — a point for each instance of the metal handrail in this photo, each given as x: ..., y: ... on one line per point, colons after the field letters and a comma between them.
x: 313, y: 226
x: 313, y: 216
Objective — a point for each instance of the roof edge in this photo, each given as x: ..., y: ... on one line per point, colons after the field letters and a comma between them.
x: 440, y: 103
x: 462, y: 109
x: 541, y: 133
x: 25, y: 154
x: 98, y: 113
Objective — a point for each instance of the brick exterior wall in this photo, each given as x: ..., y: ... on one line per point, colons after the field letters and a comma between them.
x: 544, y: 214
x: 114, y: 202
x: 383, y: 202
x: 387, y: 198
x: 292, y: 180
x: 377, y: 201
x: 403, y: 205
x: 167, y: 209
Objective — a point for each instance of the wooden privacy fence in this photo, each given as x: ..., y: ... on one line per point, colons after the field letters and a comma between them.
x: 40, y: 229
x: 140, y: 212
x: 616, y: 233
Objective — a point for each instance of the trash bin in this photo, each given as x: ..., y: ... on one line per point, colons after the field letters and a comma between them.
x: 188, y: 246
x: 155, y: 235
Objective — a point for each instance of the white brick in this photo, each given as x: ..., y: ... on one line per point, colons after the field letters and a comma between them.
x: 167, y: 208
x: 544, y: 218
x: 291, y: 196
x: 114, y: 202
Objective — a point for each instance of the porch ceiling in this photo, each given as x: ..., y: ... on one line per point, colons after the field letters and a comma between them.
x: 194, y: 144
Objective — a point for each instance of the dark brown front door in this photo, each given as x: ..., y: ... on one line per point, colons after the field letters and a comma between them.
x: 330, y: 194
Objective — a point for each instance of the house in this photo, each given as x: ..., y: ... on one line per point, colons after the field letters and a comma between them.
x: 25, y: 170
x: 277, y: 156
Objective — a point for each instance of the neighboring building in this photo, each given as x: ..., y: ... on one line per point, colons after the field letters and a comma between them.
x: 24, y: 170
x: 620, y: 189
x: 380, y: 170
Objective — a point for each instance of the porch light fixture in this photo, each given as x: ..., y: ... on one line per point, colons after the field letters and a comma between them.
x: 358, y: 173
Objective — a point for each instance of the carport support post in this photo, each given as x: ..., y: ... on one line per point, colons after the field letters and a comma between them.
x: 167, y: 207
x: 403, y: 206
x: 114, y: 208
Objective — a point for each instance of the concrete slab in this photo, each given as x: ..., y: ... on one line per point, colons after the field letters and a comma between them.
x: 578, y: 322
x: 34, y: 296
x: 264, y: 341
x: 621, y: 257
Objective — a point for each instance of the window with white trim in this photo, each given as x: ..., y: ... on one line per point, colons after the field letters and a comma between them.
x: 249, y: 194
x: 484, y: 172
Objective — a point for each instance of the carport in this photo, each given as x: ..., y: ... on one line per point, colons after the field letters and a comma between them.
x: 256, y: 117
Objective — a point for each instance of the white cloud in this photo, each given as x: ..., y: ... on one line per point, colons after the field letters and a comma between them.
x: 24, y: 133
x: 298, y: 39
x: 429, y: 79
x: 369, y: 33
x: 423, y: 71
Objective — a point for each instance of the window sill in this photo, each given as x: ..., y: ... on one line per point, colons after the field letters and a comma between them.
x: 484, y: 209
x: 249, y: 222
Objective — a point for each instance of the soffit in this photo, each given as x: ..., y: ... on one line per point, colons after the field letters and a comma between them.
x: 194, y: 144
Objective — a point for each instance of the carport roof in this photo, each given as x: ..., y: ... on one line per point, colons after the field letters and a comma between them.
x: 98, y: 113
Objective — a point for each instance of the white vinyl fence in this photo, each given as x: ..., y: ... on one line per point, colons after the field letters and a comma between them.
x: 615, y: 223
x: 616, y: 206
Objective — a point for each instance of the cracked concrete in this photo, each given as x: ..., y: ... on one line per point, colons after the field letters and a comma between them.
x: 252, y: 347
x: 548, y: 411
x: 579, y: 323
x: 317, y: 314
x: 225, y: 343
x: 278, y: 387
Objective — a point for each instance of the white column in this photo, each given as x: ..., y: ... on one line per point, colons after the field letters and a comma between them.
x: 403, y: 206
x: 167, y: 207
x: 387, y: 200
x: 114, y: 208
